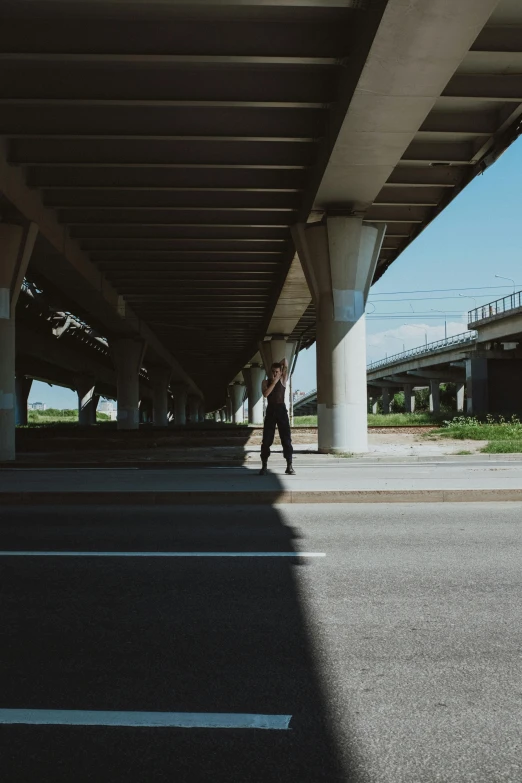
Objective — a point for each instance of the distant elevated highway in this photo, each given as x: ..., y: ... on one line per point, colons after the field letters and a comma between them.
x: 488, y: 374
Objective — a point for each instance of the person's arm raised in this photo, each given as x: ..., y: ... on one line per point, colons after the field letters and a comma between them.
x: 284, y: 369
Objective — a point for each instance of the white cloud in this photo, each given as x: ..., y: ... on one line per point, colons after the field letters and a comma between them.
x: 407, y: 336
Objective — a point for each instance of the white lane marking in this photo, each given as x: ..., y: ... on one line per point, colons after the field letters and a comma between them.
x: 187, y: 720
x: 14, y: 553
x: 26, y: 470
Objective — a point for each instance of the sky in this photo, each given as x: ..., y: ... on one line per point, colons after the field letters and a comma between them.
x: 475, y: 238
x: 460, y: 252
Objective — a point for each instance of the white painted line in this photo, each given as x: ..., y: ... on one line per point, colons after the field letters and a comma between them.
x: 8, y: 553
x: 46, y: 470
x: 186, y: 720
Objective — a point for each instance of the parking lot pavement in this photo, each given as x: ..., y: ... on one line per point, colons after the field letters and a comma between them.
x: 389, y: 652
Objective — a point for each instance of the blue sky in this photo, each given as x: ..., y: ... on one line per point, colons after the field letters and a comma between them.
x: 476, y: 237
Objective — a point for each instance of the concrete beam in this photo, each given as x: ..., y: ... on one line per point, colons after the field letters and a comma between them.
x: 502, y: 328
x: 389, y: 106
x: 447, y: 376
x: 74, y: 273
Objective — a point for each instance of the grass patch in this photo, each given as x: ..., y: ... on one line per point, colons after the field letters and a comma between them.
x: 305, y: 421
x: 404, y: 419
x: 500, y: 429
x: 463, y: 453
x: 503, y: 447
x: 381, y: 420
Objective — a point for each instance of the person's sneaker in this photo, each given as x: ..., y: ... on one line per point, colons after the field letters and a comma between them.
x: 263, y: 471
x: 290, y: 469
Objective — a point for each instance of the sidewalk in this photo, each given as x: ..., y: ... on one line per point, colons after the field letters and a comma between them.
x: 319, y: 479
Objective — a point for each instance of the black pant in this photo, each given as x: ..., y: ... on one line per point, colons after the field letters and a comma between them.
x: 276, y: 414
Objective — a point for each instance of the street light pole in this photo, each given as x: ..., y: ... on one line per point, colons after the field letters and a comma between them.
x: 445, y: 327
x: 510, y: 280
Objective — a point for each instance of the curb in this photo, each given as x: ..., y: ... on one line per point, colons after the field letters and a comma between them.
x: 267, y: 497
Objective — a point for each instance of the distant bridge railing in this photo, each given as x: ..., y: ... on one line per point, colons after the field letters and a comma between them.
x: 459, y: 339
x: 305, y: 398
x: 466, y: 338
x: 504, y: 305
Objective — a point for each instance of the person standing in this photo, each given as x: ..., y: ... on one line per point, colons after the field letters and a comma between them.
x: 276, y: 414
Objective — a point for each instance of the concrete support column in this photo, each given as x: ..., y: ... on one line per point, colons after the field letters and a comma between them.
x: 159, y: 378
x: 434, y: 396
x: 180, y: 404
x: 460, y: 397
x: 375, y: 406
x: 409, y: 398
x: 254, y: 377
x: 237, y: 397
x: 23, y: 387
x: 146, y: 410
x: 201, y: 412
x: 386, y: 400
x: 339, y: 256
x: 16, y: 246
x: 193, y: 402
x: 229, y: 408
x: 477, y: 391
x: 274, y: 349
x: 128, y: 357
x: 87, y: 401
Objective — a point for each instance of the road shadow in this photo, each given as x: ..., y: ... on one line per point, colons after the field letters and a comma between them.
x: 185, y: 634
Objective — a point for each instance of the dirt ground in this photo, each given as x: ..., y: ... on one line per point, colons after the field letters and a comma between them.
x: 230, y: 445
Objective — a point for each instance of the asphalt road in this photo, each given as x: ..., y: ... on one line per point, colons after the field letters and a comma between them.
x: 398, y: 655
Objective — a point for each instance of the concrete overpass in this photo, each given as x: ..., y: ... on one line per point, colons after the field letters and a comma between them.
x: 161, y: 164
x: 485, y: 365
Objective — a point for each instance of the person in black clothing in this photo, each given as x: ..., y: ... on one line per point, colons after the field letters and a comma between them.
x: 276, y: 413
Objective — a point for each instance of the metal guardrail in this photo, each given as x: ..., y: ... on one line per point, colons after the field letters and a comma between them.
x: 458, y: 339
x: 465, y: 338
x: 305, y: 398
x: 504, y: 305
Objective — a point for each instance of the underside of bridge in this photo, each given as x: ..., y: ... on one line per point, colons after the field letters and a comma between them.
x: 177, y: 144
x: 165, y: 150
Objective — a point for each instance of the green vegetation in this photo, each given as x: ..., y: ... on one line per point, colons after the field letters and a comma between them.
x: 471, y: 428
x: 403, y: 419
x: 56, y: 416
x: 503, y: 447
x: 504, y: 435
x: 379, y: 420
x: 305, y: 421
x: 448, y: 400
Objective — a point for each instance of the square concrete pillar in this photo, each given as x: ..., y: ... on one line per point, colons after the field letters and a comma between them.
x: 87, y: 401
x: 409, y: 398
x: 180, y: 403
x: 194, y: 403
x: 159, y: 378
x: 477, y: 392
x: 128, y: 356
x: 23, y: 388
x: 461, y: 388
x: 386, y: 400
x: 16, y: 246
x: 254, y: 376
x: 237, y: 398
x: 434, y: 396
x: 339, y: 256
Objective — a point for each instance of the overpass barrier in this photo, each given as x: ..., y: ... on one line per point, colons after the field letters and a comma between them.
x: 465, y: 338
x: 500, y: 306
